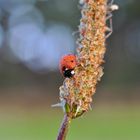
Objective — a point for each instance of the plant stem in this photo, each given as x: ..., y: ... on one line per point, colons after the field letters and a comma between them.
x: 64, y: 128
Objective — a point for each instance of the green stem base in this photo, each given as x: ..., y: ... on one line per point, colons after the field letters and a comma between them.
x: 64, y: 128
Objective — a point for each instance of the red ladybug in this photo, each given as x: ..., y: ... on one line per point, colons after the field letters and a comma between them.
x: 67, y: 65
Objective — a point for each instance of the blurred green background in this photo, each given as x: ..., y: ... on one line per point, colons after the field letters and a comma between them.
x: 34, y: 34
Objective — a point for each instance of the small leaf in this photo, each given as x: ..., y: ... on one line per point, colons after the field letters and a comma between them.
x: 67, y: 108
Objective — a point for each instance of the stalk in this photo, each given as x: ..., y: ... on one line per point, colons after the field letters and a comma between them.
x: 64, y: 128
x: 77, y: 92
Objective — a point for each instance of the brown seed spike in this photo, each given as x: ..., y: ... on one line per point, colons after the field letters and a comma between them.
x: 76, y: 92
x: 80, y: 88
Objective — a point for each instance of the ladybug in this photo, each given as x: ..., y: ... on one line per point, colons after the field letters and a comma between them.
x: 67, y: 65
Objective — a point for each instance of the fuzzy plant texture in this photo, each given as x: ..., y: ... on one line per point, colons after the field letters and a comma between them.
x: 76, y: 92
